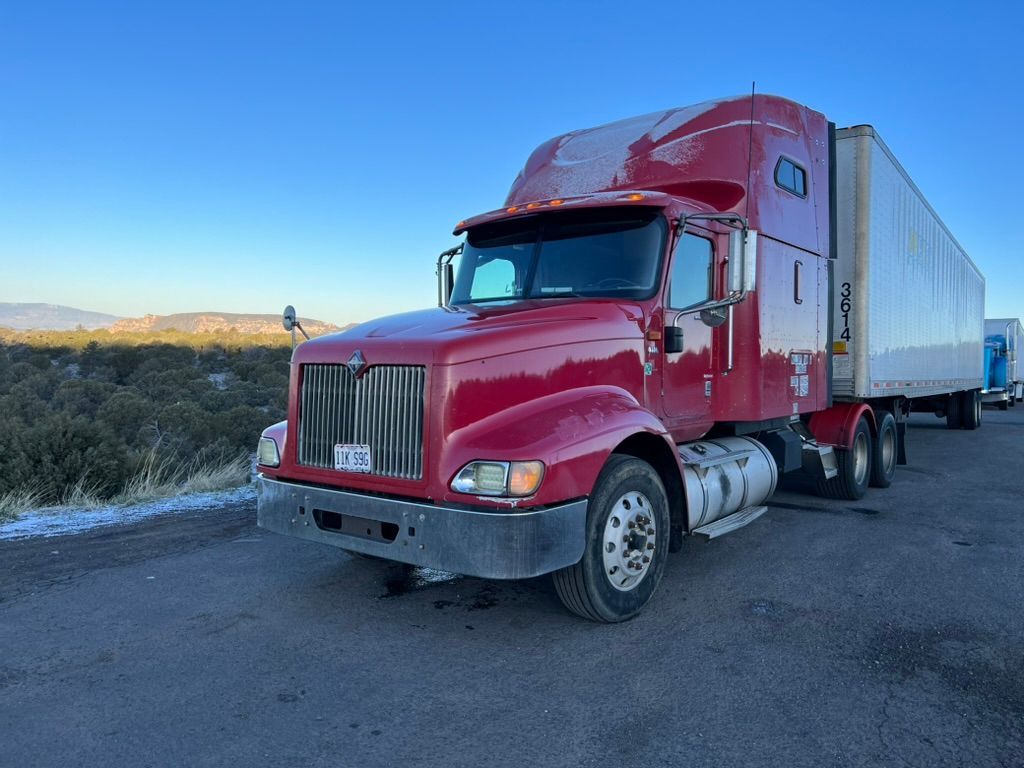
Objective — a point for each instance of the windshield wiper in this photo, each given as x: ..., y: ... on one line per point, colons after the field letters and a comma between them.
x: 557, y: 295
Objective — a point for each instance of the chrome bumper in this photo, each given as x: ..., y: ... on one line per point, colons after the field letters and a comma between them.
x: 494, y: 545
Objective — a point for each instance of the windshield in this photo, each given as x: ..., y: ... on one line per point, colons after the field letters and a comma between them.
x: 609, y: 252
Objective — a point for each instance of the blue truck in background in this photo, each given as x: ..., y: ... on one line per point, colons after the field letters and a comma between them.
x: 1004, y: 387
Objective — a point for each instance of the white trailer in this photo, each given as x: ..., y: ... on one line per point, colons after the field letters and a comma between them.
x: 909, y: 304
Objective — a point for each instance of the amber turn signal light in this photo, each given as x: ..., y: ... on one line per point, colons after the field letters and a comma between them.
x: 524, y: 477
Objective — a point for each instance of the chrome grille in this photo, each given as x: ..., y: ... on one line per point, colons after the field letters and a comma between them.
x: 383, y: 409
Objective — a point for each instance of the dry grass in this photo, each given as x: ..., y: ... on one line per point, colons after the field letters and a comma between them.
x: 160, y: 478
x: 13, y: 503
x: 156, y: 479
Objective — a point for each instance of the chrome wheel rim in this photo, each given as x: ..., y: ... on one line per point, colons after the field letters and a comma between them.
x: 630, y: 539
x: 889, y: 452
x: 860, y: 458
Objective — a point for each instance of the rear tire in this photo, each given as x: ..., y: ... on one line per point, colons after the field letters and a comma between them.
x: 954, y: 411
x: 971, y: 409
x: 1004, y: 404
x: 854, y: 467
x: 627, y: 544
x: 884, y: 452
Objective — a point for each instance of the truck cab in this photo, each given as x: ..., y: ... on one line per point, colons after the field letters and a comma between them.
x: 631, y: 349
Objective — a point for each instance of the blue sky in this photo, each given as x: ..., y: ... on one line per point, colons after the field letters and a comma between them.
x: 186, y: 156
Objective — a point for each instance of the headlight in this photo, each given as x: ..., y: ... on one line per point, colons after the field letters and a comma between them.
x: 267, y: 454
x: 499, y: 478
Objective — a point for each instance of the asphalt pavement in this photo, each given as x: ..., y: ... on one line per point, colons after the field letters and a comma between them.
x: 883, y: 632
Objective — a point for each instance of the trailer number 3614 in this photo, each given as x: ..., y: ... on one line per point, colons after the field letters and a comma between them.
x: 844, y: 307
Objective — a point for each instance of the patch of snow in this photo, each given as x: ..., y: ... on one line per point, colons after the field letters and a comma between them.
x: 677, y: 118
x: 219, y: 380
x: 60, y: 521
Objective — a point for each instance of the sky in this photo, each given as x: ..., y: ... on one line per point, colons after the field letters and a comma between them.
x: 238, y: 157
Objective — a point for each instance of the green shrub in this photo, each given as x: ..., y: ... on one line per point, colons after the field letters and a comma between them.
x: 83, y: 413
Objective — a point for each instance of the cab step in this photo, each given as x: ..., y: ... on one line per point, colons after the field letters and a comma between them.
x: 730, y: 523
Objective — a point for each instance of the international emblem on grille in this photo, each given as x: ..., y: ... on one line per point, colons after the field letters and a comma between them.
x: 356, y: 363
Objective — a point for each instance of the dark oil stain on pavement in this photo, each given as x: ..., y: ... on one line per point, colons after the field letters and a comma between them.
x: 405, y: 579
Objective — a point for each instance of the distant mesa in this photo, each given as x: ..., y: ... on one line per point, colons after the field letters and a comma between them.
x: 215, y: 322
x: 53, y: 317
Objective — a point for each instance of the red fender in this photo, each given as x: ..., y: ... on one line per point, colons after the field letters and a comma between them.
x: 572, y: 432
x: 835, y: 426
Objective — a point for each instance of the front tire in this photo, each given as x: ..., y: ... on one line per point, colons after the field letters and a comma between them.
x: 627, y: 544
x: 854, y: 466
x: 883, y: 454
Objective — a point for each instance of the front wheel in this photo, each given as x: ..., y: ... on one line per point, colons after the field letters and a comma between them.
x: 627, y: 544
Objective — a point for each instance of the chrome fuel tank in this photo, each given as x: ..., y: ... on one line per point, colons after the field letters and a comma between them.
x: 725, y: 475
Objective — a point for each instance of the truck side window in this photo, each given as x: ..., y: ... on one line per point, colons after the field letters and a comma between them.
x: 691, y: 273
x: 791, y: 177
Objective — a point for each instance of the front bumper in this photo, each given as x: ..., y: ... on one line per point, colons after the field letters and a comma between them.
x: 494, y: 545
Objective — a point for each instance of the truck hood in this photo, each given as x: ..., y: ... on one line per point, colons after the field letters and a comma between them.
x: 453, y: 335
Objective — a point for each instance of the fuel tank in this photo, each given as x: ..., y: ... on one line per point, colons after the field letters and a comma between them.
x: 723, y: 475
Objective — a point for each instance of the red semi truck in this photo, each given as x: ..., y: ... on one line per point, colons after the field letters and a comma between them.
x: 632, y: 349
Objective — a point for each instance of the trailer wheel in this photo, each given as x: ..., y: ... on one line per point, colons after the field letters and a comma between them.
x: 971, y: 409
x: 1004, y: 404
x: 954, y: 419
x: 854, y: 467
x: 883, y: 453
x: 627, y: 544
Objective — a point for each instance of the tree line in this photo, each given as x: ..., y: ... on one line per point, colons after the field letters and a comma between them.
x: 89, y: 409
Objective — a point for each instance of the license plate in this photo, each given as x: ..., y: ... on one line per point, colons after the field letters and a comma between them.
x: 352, y: 458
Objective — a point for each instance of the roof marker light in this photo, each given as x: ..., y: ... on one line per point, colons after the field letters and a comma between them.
x: 635, y: 196
x: 555, y: 202
x: 512, y: 209
x: 531, y: 206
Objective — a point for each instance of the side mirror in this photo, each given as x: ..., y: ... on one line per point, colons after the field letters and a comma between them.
x: 291, y: 323
x: 673, y: 339
x: 447, y: 283
x: 288, y: 321
x: 742, y: 275
x: 446, y: 275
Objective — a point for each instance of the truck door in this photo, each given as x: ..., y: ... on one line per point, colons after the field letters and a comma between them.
x: 686, y: 376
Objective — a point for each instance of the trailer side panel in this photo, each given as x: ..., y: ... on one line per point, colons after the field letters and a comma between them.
x: 909, y: 302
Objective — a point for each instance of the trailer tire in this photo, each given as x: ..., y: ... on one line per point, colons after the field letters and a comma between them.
x: 854, y: 467
x: 954, y: 418
x: 884, y: 453
x: 627, y: 493
x: 1004, y: 404
x: 971, y: 409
